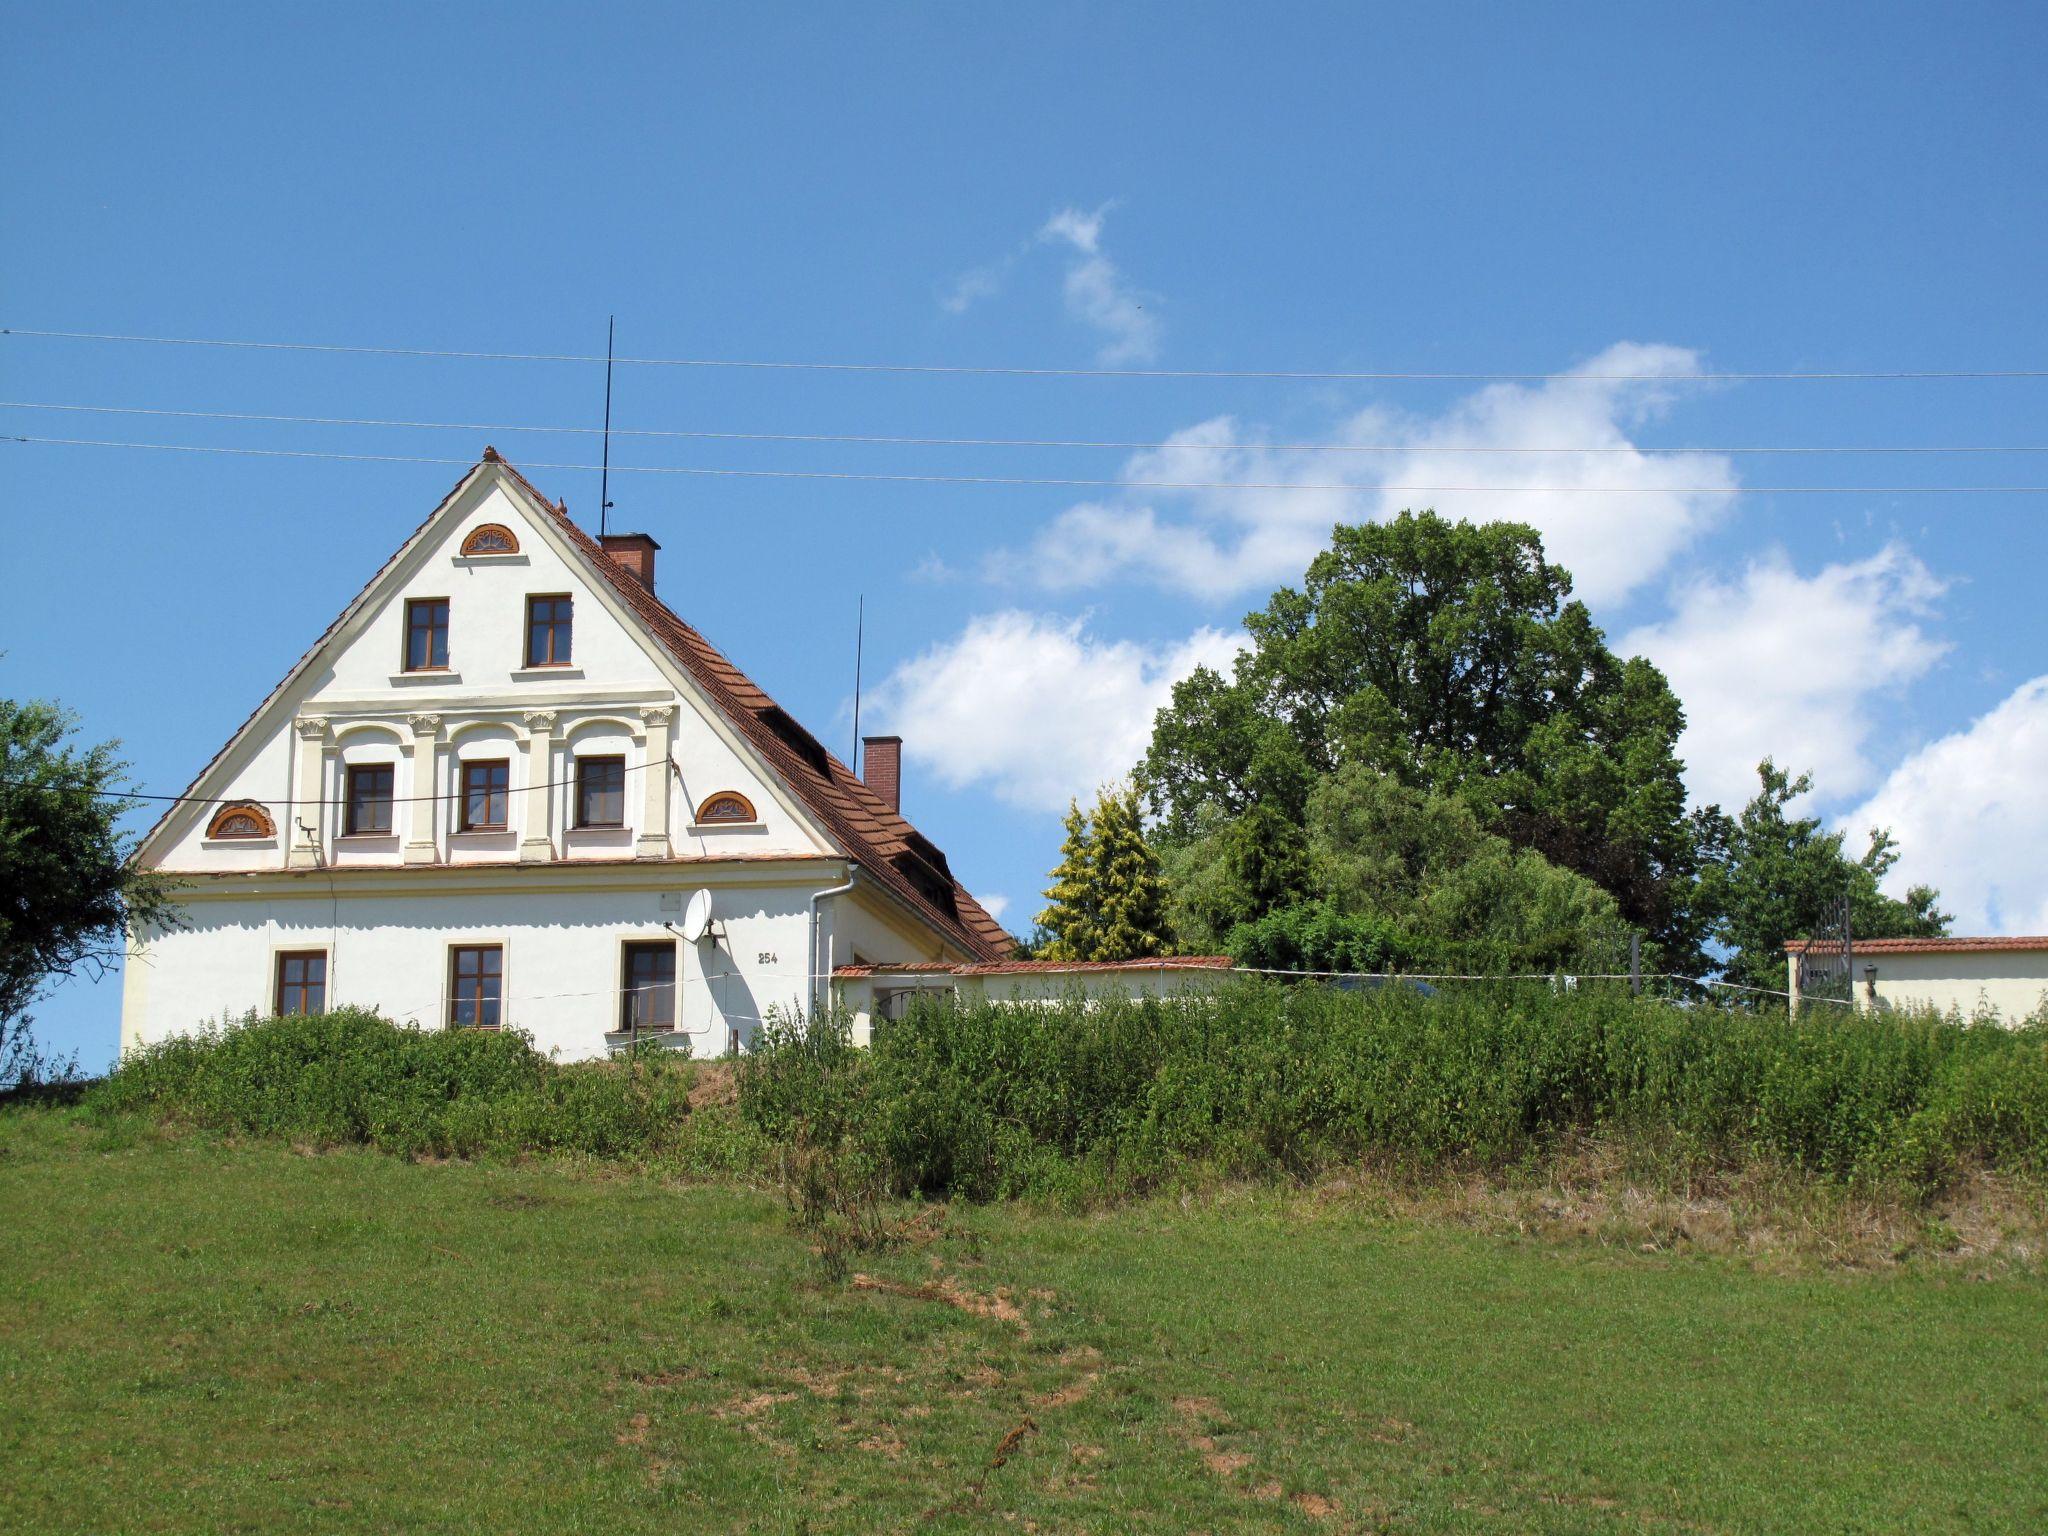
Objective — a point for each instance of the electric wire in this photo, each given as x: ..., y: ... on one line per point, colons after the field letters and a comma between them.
x: 1067, y: 482
x: 912, y: 441
x: 1309, y: 374
x: 136, y: 794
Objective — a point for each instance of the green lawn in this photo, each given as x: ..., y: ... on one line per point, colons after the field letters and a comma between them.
x: 211, y: 1339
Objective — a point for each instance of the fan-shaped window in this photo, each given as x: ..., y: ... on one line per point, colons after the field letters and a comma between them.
x: 726, y: 805
x: 243, y: 819
x: 490, y: 539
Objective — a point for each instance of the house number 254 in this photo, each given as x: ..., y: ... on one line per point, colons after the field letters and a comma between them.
x: 765, y: 957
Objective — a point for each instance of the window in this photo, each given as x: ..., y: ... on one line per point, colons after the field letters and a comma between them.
x: 426, y: 634
x: 245, y: 819
x: 486, y: 787
x: 547, y: 631
x: 650, y: 994
x: 369, y: 800
x: 476, y: 983
x: 302, y: 982
x: 726, y: 805
x: 600, y: 791
x: 490, y: 539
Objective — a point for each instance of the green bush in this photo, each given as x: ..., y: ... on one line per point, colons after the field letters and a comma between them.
x: 350, y: 1077
x: 998, y: 1100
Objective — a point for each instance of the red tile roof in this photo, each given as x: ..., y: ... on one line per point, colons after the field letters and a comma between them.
x: 1033, y: 967
x: 877, y: 838
x: 1960, y: 946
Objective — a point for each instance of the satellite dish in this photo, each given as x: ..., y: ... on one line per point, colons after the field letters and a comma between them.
x: 697, y: 916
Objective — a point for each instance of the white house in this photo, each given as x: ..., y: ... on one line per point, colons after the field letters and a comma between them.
x: 488, y: 792
x: 1970, y: 976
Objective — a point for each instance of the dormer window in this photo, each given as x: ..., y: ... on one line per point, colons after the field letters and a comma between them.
x: 548, y: 631
x: 426, y: 634
x: 242, y: 819
x: 490, y: 539
x: 727, y: 805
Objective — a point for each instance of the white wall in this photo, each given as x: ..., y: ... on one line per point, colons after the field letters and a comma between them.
x: 859, y: 995
x: 2013, y: 983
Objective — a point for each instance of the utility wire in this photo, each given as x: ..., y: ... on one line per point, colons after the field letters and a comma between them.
x: 988, y: 442
x: 136, y: 794
x: 1070, y: 481
x: 1455, y: 376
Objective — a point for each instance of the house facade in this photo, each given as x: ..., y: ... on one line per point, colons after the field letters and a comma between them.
x: 1973, y: 977
x: 510, y: 788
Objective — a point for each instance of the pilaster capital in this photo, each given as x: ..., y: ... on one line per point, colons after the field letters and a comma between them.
x: 424, y: 725
x: 657, y: 714
x: 540, y: 721
x: 311, y: 727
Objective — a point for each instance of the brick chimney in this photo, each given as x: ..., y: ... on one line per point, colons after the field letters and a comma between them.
x: 632, y: 553
x: 882, y: 768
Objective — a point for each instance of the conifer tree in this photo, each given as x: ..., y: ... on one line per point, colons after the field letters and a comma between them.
x: 1107, y: 899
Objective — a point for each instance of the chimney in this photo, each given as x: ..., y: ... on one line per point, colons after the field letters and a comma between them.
x: 882, y: 768
x: 632, y: 553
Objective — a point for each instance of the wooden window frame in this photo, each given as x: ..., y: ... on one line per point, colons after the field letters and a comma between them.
x: 475, y: 993
x: 705, y: 818
x: 583, y: 764
x: 412, y: 606
x: 473, y: 541
x: 566, y: 627
x: 630, y: 998
x: 503, y: 795
x: 218, y: 826
x: 278, y: 984
x: 349, y: 773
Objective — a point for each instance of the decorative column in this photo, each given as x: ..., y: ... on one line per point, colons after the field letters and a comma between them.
x: 537, y: 819
x: 422, y: 836
x: 653, y: 840
x: 308, y: 831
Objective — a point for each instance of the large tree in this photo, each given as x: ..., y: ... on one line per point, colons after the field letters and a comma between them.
x: 1107, y: 901
x: 1452, y: 658
x: 68, y: 893
x: 1779, y: 876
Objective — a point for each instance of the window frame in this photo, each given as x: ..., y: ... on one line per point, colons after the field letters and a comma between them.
x: 413, y: 606
x: 350, y: 803
x: 564, y: 626
x: 502, y: 794
x: 583, y: 791
x: 630, y: 996
x: 487, y: 986
x: 705, y: 819
x: 278, y: 984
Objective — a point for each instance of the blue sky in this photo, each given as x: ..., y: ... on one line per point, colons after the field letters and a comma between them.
x: 1440, y: 188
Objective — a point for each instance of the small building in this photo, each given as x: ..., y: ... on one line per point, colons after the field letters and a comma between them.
x: 870, y: 992
x: 2007, y: 977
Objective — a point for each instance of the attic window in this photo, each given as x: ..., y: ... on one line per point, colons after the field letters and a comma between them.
x: 490, y: 539
x: 243, y: 819
x: 797, y: 739
x: 928, y: 882
x: 726, y: 805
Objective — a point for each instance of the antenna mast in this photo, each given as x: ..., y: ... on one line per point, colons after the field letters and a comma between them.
x: 604, y: 484
x: 860, y: 625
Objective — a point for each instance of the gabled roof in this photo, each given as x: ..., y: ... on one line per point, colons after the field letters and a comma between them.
x: 886, y: 846
x: 1958, y: 946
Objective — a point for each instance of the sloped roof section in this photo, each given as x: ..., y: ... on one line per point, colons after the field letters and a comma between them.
x: 1956, y: 946
x: 888, y: 848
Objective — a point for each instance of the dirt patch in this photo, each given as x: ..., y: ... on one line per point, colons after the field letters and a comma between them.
x: 997, y: 1305
x: 635, y: 1432
x: 1316, y: 1507
x: 714, y: 1085
x: 883, y: 1445
x: 664, y: 1378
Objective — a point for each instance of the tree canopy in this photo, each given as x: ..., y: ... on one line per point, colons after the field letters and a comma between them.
x: 1107, y: 901
x: 1451, y: 658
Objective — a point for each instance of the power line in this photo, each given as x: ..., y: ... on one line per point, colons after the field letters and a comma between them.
x: 1302, y: 374
x: 700, y: 435
x: 1074, y: 482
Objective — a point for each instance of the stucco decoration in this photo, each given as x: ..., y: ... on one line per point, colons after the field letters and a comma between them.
x: 242, y: 818
x: 726, y: 805
x: 491, y: 539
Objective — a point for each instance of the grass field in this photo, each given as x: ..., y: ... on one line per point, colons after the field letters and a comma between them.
x: 208, y: 1338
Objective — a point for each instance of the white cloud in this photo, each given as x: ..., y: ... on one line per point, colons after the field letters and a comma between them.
x: 1097, y: 292
x: 994, y: 906
x: 1774, y: 664
x: 1970, y: 812
x: 1036, y: 708
x: 1274, y: 513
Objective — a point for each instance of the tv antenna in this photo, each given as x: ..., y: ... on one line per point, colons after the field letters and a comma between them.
x: 860, y: 625
x: 604, y: 484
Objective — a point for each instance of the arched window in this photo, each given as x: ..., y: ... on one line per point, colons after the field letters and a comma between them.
x: 490, y: 539
x: 726, y: 805
x: 244, y: 818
